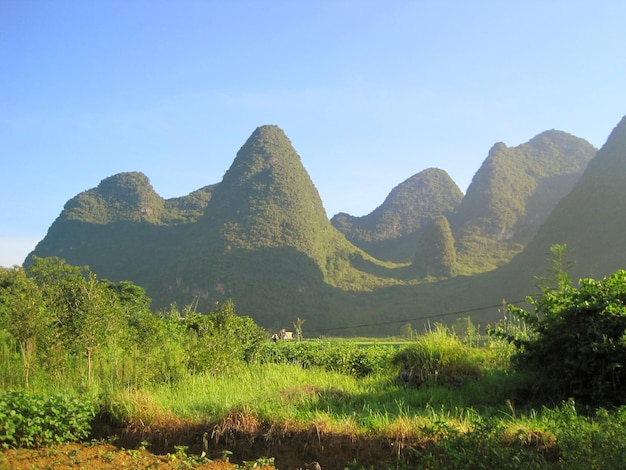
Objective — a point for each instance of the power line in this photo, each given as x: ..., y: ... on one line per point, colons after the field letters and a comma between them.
x: 427, y: 317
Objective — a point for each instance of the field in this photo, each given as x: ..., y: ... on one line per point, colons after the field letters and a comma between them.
x: 288, y: 415
x: 89, y: 377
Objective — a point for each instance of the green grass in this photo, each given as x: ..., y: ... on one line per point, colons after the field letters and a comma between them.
x: 476, y: 420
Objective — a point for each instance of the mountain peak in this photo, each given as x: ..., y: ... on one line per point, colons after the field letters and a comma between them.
x: 409, y: 207
x: 266, y: 198
x: 268, y: 149
x: 125, y: 196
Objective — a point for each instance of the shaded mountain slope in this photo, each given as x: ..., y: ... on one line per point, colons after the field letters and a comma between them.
x: 263, y: 238
x: 391, y: 230
x: 122, y: 228
x: 512, y: 194
x: 591, y: 219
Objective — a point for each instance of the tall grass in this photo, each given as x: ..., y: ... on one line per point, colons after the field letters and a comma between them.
x: 469, y: 415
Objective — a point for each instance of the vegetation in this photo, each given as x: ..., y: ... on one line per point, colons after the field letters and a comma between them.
x: 436, y: 254
x: 28, y: 420
x: 575, y: 345
x: 202, y: 386
x: 410, y: 207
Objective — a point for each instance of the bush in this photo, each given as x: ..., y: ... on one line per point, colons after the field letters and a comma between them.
x: 437, y: 358
x: 31, y: 420
x: 345, y: 358
x: 221, y: 340
x: 578, y: 345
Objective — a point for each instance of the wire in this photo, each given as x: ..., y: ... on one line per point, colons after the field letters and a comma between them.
x: 427, y: 317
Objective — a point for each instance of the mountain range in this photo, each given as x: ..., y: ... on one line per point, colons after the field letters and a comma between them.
x: 427, y: 253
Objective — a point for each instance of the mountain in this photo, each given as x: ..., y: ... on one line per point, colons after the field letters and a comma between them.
x: 129, y: 197
x: 390, y: 232
x: 260, y: 236
x: 122, y: 229
x: 265, y: 240
x: 591, y: 219
x: 512, y: 194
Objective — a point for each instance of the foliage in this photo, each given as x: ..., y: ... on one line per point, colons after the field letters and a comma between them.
x: 28, y: 420
x: 408, y: 208
x: 436, y: 254
x: 480, y: 446
x: 584, y: 442
x: 343, y: 357
x: 22, y: 314
x: 578, y: 345
x: 221, y: 340
x: 437, y: 358
x: 65, y: 322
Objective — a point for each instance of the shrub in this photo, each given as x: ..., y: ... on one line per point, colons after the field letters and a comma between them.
x: 345, y: 358
x: 221, y: 340
x: 28, y: 420
x: 438, y: 358
x: 578, y: 346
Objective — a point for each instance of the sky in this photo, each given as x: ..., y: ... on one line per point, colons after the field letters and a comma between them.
x: 369, y: 92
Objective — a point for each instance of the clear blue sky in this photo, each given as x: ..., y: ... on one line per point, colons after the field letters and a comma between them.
x: 369, y: 92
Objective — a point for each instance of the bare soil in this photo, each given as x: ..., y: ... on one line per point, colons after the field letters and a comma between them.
x: 97, y: 457
x: 248, y: 444
x: 247, y: 440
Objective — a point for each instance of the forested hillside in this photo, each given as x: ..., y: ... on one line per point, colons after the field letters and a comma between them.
x: 512, y: 194
x: 262, y: 238
x: 390, y: 232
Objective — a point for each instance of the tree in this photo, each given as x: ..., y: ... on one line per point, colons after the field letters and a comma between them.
x: 95, y: 318
x: 297, y: 325
x: 88, y: 313
x: 23, y: 314
x: 577, y: 345
x: 221, y: 339
x: 406, y: 331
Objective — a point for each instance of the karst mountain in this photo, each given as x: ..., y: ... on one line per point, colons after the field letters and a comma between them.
x: 261, y: 236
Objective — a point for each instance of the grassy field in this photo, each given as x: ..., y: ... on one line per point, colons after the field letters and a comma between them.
x: 343, y: 405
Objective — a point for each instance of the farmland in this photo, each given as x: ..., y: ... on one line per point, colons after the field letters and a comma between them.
x: 181, y: 389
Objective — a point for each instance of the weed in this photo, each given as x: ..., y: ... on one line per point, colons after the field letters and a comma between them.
x: 28, y: 420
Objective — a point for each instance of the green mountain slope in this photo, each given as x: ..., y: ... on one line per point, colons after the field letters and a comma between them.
x: 122, y: 229
x: 262, y: 238
x: 129, y: 197
x: 512, y: 194
x: 265, y: 240
x: 591, y: 219
x: 391, y: 231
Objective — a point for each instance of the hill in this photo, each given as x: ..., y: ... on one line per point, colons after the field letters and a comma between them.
x: 262, y: 238
x: 591, y: 219
x: 390, y: 232
x: 512, y: 194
